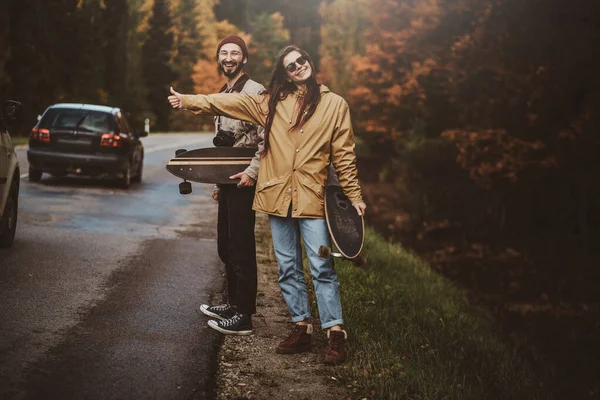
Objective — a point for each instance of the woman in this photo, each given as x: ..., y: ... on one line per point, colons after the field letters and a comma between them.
x: 306, y: 127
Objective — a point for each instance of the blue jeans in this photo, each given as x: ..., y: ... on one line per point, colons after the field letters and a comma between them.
x: 286, y: 242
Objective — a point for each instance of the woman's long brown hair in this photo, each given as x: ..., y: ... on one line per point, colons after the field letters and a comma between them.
x: 280, y: 87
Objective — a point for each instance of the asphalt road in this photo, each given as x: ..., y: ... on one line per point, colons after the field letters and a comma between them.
x: 99, y: 294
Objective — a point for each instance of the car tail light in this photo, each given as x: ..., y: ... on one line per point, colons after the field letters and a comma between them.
x: 41, y: 134
x: 111, y: 140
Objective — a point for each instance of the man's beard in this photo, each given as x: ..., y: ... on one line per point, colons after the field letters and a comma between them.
x: 233, y: 73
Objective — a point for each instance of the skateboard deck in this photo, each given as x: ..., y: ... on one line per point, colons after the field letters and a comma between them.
x: 345, y: 225
x: 211, y: 164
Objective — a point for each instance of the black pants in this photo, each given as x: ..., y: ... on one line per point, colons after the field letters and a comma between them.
x: 237, y: 246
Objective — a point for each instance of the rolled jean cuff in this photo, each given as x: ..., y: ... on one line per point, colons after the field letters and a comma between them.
x: 329, y: 324
x: 300, y: 318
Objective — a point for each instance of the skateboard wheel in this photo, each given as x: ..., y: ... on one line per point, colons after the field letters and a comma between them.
x: 210, y: 164
x: 324, y: 251
x: 185, y: 187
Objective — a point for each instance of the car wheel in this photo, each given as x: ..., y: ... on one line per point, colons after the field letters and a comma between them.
x: 138, y: 176
x: 35, y: 175
x: 8, y: 223
x: 125, y: 180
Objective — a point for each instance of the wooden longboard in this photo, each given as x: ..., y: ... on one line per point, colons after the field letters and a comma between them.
x: 345, y: 225
x: 211, y: 164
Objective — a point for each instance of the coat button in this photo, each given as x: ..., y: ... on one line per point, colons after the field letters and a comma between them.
x: 297, y: 150
x: 294, y: 169
x: 301, y: 130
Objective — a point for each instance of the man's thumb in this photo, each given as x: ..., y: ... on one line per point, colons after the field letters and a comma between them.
x: 173, y: 91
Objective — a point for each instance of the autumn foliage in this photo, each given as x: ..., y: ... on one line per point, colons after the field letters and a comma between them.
x: 482, y: 115
x: 485, y: 82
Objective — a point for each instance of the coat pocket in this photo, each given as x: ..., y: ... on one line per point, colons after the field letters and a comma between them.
x: 265, y: 185
x: 315, y: 188
x: 311, y: 200
x: 269, y: 196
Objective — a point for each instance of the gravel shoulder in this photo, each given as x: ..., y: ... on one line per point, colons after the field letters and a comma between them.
x: 249, y: 368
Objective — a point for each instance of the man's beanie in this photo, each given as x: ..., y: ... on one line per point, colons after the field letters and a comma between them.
x: 235, y: 40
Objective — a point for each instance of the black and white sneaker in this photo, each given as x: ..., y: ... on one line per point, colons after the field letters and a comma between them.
x: 222, y: 312
x: 239, y: 324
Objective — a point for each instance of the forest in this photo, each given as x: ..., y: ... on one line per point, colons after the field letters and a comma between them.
x: 477, y: 126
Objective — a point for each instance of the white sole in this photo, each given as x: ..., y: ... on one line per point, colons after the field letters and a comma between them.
x: 210, y: 314
x: 216, y: 327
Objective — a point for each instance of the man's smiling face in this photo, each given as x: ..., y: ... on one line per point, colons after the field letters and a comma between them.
x: 231, y: 59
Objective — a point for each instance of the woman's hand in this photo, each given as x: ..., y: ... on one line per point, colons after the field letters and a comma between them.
x: 360, y: 208
x: 175, y: 99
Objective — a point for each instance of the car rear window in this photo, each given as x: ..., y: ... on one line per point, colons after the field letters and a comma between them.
x: 86, y: 120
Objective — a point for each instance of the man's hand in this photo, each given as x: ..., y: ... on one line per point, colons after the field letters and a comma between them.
x: 175, y: 99
x: 360, y: 208
x: 215, y: 195
x: 245, y: 180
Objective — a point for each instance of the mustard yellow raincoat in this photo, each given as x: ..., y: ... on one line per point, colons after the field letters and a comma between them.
x: 294, y: 171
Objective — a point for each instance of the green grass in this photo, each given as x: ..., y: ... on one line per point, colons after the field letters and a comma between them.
x: 19, y: 140
x: 413, y: 335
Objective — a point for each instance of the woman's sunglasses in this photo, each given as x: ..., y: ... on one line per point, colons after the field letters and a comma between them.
x: 291, y: 67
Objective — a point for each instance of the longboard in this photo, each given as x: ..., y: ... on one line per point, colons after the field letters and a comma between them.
x: 345, y: 225
x: 211, y: 164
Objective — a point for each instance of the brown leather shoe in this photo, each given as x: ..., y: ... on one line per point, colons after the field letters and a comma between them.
x: 300, y: 340
x: 335, y: 353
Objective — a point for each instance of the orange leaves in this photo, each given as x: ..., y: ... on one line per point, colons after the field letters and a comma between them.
x: 429, y: 65
x: 394, y: 94
x: 492, y: 153
x: 389, y: 74
x: 458, y: 69
x: 365, y: 64
x: 326, y: 74
x: 207, y: 78
x: 365, y: 98
x: 418, y: 69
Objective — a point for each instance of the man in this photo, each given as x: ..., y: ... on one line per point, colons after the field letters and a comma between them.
x: 235, y: 226
x: 306, y: 127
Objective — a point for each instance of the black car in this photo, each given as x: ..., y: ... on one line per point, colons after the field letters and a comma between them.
x: 85, y: 139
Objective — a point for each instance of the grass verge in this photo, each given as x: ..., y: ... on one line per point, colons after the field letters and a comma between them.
x: 414, y: 335
x: 19, y: 140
